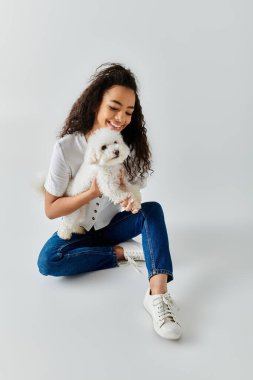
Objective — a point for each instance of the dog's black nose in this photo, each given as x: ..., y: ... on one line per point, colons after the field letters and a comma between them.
x: 116, y: 152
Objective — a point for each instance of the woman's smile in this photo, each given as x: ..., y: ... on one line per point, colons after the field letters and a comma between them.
x: 113, y: 126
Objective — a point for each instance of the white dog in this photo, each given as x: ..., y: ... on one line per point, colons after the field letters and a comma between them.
x: 105, y: 153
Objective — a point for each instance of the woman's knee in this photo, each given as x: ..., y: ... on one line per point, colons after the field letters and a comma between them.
x: 42, y: 263
x: 46, y: 261
x: 152, y: 206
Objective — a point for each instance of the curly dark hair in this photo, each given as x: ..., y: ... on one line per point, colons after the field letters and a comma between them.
x: 82, y: 115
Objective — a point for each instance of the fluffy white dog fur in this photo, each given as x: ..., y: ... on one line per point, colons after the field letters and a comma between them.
x: 105, y: 153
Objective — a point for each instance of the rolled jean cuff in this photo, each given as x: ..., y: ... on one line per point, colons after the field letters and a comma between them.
x: 115, y: 258
x: 161, y: 271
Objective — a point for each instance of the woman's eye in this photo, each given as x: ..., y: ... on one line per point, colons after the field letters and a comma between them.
x: 116, y: 109
x: 103, y: 147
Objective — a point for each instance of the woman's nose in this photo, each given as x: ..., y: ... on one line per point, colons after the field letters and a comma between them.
x: 120, y: 118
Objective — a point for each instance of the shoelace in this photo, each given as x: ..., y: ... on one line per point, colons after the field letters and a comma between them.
x: 134, y: 264
x: 169, y: 300
x: 163, y: 305
x: 132, y: 261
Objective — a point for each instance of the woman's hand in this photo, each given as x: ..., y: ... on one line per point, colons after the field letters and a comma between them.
x: 94, y: 189
x: 128, y: 205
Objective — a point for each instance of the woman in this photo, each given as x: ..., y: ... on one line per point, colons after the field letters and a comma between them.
x: 110, y: 101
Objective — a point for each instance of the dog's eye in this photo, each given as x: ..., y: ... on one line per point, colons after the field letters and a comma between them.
x: 103, y: 147
x: 115, y: 142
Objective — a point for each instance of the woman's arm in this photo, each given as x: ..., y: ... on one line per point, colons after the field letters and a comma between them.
x: 61, y: 206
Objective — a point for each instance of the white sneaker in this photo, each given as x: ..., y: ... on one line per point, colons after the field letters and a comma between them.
x: 133, y: 252
x: 162, y: 309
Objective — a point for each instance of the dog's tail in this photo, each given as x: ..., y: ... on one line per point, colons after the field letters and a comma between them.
x: 37, y: 183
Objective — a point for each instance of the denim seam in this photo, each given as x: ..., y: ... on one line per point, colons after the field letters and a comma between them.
x: 110, y: 249
x: 149, y: 242
x: 85, y: 252
x: 66, y: 245
x: 59, y: 252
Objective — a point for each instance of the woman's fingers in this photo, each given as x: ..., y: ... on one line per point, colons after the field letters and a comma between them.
x: 128, y: 205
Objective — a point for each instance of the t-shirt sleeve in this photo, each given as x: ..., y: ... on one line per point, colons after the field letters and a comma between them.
x: 58, y: 175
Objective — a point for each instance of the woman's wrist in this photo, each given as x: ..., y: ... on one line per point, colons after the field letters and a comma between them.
x: 87, y: 196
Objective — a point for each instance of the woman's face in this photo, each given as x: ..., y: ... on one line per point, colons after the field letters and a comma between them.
x: 116, y: 108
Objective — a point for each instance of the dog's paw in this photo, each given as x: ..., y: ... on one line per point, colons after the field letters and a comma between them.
x: 78, y: 229
x: 64, y: 234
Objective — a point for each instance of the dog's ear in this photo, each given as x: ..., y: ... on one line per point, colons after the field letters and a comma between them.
x: 91, y: 156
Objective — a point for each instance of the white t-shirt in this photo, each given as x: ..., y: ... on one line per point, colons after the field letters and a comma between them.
x: 66, y: 159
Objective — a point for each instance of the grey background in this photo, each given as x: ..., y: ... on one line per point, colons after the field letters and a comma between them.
x: 193, y: 61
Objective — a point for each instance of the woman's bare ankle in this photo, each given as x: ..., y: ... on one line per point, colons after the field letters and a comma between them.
x: 158, y: 284
x: 119, y: 252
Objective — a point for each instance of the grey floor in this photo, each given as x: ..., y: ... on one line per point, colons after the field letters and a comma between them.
x: 193, y: 62
x: 94, y: 325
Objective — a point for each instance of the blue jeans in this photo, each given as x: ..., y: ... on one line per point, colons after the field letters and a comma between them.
x: 94, y: 250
